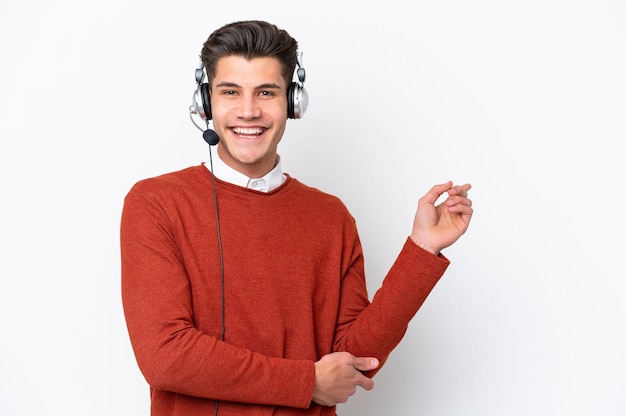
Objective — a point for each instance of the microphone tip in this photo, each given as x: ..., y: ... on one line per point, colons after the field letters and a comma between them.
x: 211, y: 137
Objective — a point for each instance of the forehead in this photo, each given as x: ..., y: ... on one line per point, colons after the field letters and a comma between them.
x: 241, y: 71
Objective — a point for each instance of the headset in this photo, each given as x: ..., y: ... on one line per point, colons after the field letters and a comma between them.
x: 297, y: 99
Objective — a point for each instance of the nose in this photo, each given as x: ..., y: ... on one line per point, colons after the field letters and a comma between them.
x: 249, y: 107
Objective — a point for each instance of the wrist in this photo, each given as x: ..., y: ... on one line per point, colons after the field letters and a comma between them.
x: 425, y: 245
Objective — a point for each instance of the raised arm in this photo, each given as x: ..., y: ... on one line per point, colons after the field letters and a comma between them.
x: 377, y: 328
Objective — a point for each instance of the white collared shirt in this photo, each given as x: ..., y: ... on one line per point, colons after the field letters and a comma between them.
x: 270, y: 181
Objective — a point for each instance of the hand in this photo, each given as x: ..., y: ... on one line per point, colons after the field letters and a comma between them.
x: 437, y: 227
x: 337, y: 375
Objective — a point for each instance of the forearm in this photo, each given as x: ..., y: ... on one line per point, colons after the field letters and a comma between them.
x: 196, y: 364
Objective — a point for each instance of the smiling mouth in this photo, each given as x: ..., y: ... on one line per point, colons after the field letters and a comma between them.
x: 248, y: 132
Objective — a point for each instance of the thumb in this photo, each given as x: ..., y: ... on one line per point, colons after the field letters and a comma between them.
x: 365, y: 363
x: 435, y: 192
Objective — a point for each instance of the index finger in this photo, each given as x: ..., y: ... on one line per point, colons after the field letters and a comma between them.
x: 435, y: 192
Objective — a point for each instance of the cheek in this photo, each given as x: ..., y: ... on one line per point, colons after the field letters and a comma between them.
x: 217, y: 108
x: 277, y: 109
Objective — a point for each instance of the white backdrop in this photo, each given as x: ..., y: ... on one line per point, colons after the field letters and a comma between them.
x: 525, y: 100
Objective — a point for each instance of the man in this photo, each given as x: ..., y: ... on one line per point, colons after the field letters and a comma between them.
x: 244, y: 289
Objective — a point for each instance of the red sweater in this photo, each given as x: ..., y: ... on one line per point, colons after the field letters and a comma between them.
x: 294, y: 291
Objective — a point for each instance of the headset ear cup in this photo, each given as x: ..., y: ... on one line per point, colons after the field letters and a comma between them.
x: 206, y: 100
x: 297, y: 100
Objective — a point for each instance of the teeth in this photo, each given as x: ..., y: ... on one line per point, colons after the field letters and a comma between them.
x: 247, y: 131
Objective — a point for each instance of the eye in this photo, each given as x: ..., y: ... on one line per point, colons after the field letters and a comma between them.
x: 266, y: 93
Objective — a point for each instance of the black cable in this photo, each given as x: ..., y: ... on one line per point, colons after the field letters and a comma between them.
x: 219, y: 243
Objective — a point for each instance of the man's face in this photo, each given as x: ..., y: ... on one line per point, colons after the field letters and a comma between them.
x: 249, y: 110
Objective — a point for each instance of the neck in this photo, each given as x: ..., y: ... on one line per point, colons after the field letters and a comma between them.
x: 254, y: 170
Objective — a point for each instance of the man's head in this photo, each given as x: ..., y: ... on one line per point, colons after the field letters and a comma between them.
x: 249, y: 68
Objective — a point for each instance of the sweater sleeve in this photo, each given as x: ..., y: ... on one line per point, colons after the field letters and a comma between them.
x: 376, y: 329
x: 171, y: 352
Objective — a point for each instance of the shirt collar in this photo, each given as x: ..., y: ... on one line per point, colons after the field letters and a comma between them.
x: 270, y: 181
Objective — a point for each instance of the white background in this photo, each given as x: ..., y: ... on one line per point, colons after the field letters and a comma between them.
x: 524, y: 99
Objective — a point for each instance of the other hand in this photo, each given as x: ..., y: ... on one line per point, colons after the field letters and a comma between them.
x: 338, y: 374
x: 438, y: 226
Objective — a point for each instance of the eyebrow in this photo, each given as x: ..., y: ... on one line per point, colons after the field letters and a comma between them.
x: 227, y: 84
